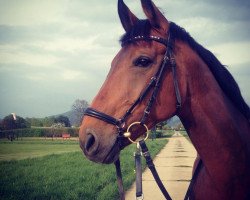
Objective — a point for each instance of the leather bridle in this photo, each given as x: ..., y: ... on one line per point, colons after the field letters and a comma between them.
x: 154, y: 86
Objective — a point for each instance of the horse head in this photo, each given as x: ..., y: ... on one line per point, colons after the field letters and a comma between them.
x: 159, y: 69
x: 133, y: 69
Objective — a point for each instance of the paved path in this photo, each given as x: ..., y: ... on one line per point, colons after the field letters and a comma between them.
x: 174, y: 164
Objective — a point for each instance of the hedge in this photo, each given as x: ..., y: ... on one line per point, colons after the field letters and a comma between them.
x: 161, y: 133
x: 40, y: 132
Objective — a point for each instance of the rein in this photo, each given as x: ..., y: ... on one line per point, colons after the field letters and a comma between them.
x: 154, y: 85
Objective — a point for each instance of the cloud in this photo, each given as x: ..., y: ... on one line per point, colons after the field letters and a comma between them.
x: 241, y: 74
x: 232, y: 53
x: 71, y: 75
x: 13, y: 54
x: 53, y: 52
x: 83, y: 10
x: 26, y: 12
x: 223, y: 10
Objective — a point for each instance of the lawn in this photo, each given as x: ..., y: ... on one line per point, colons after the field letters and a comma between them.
x: 35, y: 147
x: 62, y: 176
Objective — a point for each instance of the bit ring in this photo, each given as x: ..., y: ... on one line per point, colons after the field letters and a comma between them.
x: 128, y: 134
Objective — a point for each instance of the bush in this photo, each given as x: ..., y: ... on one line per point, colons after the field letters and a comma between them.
x: 160, y: 134
x: 155, y: 134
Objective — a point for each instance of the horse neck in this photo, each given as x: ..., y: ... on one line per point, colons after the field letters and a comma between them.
x: 219, y: 132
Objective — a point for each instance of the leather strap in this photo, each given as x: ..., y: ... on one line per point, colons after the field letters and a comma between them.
x: 176, y: 87
x: 146, y: 38
x: 102, y: 116
x: 138, y: 170
x: 119, y: 179
x: 152, y: 168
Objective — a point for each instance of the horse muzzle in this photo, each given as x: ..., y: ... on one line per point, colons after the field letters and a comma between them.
x: 96, y: 148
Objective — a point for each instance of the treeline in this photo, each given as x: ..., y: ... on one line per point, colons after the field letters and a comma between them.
x: 48, y: 121
x: 76, y: 113
x: 13, y: 126
x: 9, y: 122
x: 39, y: 132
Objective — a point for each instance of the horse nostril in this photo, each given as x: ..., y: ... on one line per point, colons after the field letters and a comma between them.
x: 90, y: 141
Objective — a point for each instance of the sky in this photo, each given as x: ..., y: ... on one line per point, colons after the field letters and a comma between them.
x: 53, y: 52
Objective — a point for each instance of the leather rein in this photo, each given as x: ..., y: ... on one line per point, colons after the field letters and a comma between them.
x: 154, y: 86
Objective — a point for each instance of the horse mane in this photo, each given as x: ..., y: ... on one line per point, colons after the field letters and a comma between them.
x: 219, y: 71
x: 221, y: 74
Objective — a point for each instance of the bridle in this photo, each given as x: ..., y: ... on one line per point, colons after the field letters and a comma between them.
x: 154, y: 85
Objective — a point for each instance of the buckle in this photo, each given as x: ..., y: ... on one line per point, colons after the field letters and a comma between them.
x: 140, y: 197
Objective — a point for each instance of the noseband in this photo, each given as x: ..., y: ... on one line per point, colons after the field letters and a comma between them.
x: 154, y: 84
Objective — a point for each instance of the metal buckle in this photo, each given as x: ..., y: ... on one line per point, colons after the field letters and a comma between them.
x: 140, y: 197
x: 128, y: 134
x: 121, y: 124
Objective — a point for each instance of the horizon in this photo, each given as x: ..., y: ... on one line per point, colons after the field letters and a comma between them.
x: 54, y: 52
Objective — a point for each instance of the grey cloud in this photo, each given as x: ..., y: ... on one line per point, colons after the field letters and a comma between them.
x: 83, y: 10
x: 20, y: 34
x: 42, y: 97
x: 241, y: 74
x: 222, y: 10
x: 95, y: 25
x: 241, y: 70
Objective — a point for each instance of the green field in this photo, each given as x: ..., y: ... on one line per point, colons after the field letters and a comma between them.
x: 63, y: 173
x: 35, y: 147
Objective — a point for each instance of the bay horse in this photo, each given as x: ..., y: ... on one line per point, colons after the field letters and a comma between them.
x: 200, y: 91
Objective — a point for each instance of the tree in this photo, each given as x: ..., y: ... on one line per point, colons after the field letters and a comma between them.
x: 180, y: 127
x: 9, y: 123
x: 48, y: 121
x: 1, y: 125
x: 63, y: 120
x: 79, y: 107
x: 37, y: 122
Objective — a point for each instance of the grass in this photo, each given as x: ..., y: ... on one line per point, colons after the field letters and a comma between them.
x: 35, y: 147
x: 63, y: 176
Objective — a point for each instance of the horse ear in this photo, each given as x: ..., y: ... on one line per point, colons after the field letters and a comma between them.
x: 154, y: 15
x: 128, y: 19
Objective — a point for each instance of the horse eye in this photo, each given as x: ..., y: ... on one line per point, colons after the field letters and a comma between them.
x: 142, y: 61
